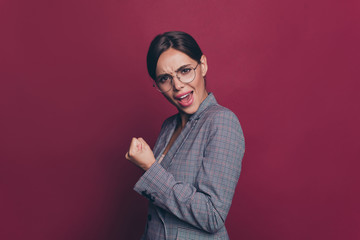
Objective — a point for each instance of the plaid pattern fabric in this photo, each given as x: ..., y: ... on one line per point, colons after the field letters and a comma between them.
x: 191, y: 190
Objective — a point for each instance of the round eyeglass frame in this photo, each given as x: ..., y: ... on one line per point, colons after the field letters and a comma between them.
x: 171, y: 80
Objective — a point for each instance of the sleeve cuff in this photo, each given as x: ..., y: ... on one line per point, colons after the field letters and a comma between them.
x: 155, y: 184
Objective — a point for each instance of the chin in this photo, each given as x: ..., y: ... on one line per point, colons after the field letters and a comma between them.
x: 189, y: 110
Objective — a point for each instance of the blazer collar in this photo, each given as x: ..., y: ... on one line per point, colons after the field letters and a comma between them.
x: 168, y: 132
x: 208, y: 101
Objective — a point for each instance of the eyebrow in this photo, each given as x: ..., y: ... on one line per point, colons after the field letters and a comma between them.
x: 183, y: 66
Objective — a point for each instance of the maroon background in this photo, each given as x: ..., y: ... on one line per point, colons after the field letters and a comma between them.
x: 74, y: 90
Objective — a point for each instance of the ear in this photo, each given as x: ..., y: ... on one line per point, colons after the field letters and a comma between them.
x: 204, y: 66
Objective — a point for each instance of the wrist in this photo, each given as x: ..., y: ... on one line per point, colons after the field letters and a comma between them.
x: 148, y: 165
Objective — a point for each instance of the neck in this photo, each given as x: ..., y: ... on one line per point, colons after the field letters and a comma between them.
x: 183, y: 119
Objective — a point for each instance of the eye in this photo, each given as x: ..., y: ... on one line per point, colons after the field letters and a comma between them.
x: 163, y: 79
x: 185, y: 71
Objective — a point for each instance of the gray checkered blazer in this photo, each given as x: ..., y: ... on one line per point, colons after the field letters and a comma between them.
x: 191, y: 190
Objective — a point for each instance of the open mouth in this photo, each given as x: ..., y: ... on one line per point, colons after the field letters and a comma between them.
x: 186, y: 99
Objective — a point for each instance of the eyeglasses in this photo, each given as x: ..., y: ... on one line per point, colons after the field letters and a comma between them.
x: 185, y: 74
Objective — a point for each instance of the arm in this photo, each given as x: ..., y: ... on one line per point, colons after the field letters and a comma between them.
x: 204, y: 205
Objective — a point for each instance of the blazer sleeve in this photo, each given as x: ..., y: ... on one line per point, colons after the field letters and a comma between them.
x: 205, y: 204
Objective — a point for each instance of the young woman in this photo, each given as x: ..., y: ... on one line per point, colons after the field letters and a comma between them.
x: 191, y: 174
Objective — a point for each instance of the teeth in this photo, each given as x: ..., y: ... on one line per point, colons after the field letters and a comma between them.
x: 184, y: 96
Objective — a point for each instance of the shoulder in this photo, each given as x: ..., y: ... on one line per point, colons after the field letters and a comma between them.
x: 221, y: 121
x: 223, y: 129
x: 217, y: 114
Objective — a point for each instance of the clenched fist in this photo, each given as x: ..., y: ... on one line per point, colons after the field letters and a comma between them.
x: 140, y: 153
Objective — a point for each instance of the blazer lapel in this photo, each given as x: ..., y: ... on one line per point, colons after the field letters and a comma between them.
x: 164, y: 137
x: 166, y: 163
x: 169, y: 129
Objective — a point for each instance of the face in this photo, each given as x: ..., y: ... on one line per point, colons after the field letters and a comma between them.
x: 186, y: 97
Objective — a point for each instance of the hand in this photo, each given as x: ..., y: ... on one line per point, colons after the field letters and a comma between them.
x: 140, y: 154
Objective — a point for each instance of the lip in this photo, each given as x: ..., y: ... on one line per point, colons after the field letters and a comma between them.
x: 181, y: 94
x: 188, y: 101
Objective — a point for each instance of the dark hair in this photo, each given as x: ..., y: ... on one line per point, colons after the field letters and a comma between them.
x: 180, y: 41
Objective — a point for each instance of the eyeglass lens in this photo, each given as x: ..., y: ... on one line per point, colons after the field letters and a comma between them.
x: 185, y: 75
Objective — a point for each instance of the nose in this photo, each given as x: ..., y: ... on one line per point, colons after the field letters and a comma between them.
x: 177, y: 84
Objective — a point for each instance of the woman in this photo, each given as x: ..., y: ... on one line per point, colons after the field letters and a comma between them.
x: 191, y: 175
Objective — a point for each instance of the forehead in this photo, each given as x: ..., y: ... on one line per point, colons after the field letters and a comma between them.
x: 170, y: 60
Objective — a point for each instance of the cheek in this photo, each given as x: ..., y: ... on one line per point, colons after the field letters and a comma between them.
x: 167, y: 95
x: 199, y: 84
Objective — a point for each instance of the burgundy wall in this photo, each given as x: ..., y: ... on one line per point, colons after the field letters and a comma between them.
x: 74, y: 90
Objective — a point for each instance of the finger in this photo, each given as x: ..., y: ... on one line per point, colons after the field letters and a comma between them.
x: 139, y: 145
x: 133, y: 142
x: 132, y: 149
x: 134, y: 145
x: 145, y: 146
x: 143, y: 142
